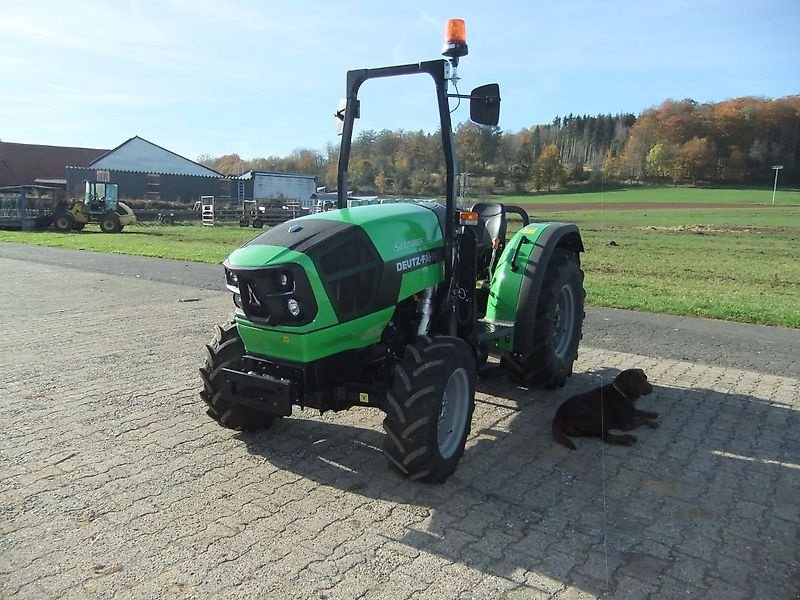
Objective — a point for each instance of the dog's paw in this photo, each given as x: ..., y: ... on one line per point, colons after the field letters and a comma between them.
x: 629, y: 440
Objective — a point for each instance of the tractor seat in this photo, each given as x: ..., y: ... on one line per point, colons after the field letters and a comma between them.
x: 492, y: 224
x: 491, y: 234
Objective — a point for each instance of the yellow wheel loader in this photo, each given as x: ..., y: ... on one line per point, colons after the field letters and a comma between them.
x: 100, y: 205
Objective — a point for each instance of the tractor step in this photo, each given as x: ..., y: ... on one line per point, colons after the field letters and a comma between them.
x: 492, y: 330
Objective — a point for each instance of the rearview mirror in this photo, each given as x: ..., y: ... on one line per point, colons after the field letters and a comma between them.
x: 484, y: 104
x: 339, y: 116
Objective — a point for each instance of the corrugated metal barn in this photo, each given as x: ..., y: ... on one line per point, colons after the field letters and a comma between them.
x: 145, y: 170
x: 269, y: 184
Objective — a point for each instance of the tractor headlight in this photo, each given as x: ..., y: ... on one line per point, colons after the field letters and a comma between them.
x: 237, y: 300
x: 284, y: 281
x: 231, y: 281
x: 293, y: 306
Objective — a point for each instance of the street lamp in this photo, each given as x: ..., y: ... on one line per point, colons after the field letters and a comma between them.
x: 775, y: 187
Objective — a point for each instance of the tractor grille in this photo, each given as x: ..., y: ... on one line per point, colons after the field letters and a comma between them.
x: 267, y: 295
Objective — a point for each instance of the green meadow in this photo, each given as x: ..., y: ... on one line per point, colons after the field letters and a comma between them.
x: 682, y: 195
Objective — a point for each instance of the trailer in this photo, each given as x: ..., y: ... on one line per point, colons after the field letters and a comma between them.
x: 29, y: 207
x: 288, y: 187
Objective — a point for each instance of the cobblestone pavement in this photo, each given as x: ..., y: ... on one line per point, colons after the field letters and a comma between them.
x: 114, y: 483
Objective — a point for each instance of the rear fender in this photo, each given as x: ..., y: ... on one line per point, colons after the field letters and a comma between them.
x: 518, y: 278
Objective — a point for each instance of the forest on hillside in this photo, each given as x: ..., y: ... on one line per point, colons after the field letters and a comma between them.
x: 735, y: 142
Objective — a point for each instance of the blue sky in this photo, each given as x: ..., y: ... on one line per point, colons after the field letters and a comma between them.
x: 263, y: 78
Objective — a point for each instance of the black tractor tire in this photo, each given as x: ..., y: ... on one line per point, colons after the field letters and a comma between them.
x: 64, y: 222
x: 226, y: 350
x: 109, y: 223
x: 244, y: 222
x: 558, y: 328
x: 429, y: 408
x: 258, y: 223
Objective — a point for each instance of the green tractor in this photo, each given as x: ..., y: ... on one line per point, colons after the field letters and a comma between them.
x: 397, y: 306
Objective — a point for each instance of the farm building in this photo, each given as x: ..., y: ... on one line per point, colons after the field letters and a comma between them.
x: 145, y: 170
x: 268, y: 184
x: 38, y: 165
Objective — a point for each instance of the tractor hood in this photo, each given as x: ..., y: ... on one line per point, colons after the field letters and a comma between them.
x: 395, y: 231
x: 340, y: 266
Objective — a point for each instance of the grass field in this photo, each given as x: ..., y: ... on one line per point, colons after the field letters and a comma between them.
x: 182, y: 242
x: 738, y: 264
x: 681, y: 195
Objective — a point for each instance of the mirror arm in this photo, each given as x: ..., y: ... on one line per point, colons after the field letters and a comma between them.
x: 487, y: 99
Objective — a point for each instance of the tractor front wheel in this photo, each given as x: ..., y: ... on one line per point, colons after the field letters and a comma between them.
x: 558, y: 326
x: 64, y: 222
x: 429, y: 408
x: 109, y: 223
x: 226, y: 351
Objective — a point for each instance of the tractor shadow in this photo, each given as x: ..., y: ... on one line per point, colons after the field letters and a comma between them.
x: 606, y: 519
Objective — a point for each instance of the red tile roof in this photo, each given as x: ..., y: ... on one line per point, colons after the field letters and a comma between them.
x: 22, y: 164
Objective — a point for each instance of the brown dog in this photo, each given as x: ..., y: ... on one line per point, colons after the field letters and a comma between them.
x: 611, y: 406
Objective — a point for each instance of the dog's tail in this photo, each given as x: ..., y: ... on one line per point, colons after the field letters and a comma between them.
x: 558, y: 433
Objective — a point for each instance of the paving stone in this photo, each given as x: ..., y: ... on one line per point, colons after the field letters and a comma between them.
x: 114, y: 483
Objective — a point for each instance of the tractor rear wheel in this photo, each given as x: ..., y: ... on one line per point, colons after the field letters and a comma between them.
x: 429, y: 408
x: 226, y: 350
x: 558, y: 326
x: 64, y: 222
x: 258, y: 223
x: 109, y: 223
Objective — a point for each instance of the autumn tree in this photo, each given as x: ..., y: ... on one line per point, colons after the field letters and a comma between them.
x: 522, y: 169
x: 642, y: 137
x: 548, y: 170
x: 380, y: 183
x: 733, y: 167
x: 660, y: 161
x: 476, y: 146
x: 231, y: 164
x: 695, y: 159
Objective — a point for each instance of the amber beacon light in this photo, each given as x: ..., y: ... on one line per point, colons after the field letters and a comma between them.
x: 455, y: 39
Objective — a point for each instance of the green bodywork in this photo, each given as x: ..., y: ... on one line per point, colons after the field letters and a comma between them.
x: 504, y: 291
x: 289, y: 344
x: 397, y: 232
